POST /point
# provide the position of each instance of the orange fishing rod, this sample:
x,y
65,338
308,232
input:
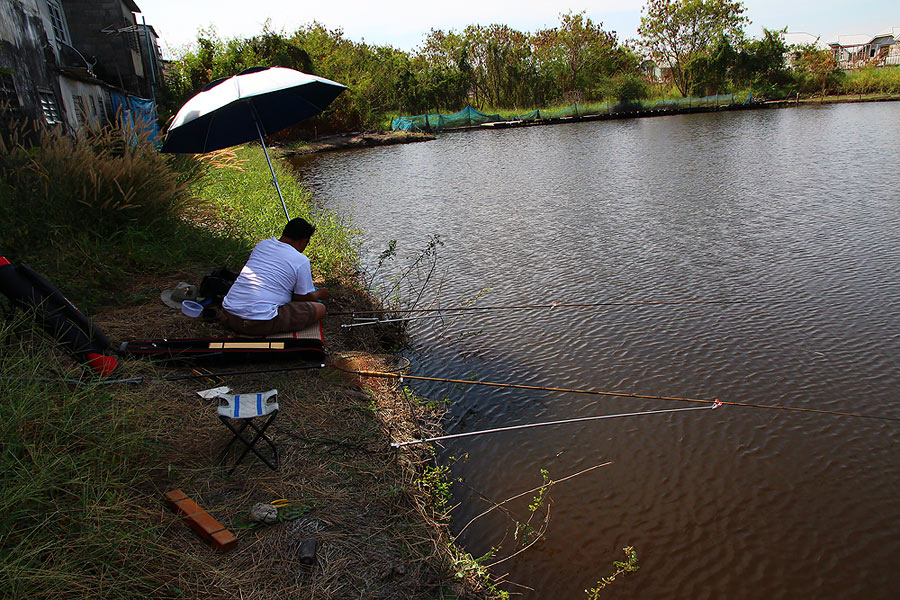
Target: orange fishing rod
x,y
712,401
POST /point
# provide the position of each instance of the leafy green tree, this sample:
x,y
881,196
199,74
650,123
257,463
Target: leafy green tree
x,y
445,70
761,65
817,69
501,61
580,53
676,32
370,73
711,73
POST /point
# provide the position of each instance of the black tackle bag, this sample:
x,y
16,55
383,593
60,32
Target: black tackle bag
x,y
215,285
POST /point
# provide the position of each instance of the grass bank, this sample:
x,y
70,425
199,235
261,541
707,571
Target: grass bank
x,y
84,468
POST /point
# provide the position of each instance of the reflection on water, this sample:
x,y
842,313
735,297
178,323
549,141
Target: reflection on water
x,y
793,212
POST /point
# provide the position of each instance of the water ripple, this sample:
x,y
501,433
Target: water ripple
x,y
793,212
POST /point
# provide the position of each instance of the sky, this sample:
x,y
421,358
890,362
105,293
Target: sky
x,y
404,24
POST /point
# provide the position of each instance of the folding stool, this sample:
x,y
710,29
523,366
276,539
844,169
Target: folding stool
x,y
247,407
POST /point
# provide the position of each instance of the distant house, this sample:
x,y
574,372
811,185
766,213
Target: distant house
x,y
656,73
74,62
880,51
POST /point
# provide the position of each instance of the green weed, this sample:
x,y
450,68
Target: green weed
x,y
871,80
538,501
629,565
436,483
475,569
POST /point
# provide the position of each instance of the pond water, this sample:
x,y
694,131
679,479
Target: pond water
x,y
793,214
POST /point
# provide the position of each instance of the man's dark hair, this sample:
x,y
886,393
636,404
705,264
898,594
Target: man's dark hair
x,y
298,229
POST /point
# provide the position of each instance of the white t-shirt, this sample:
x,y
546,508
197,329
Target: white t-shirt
x,y
273,272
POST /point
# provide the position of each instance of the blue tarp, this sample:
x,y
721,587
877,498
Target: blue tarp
x,y
136,113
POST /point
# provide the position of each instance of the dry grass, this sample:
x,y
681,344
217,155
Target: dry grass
x,y
377,536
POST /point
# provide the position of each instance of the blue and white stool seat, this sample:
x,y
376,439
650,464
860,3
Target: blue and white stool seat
x,y
248,406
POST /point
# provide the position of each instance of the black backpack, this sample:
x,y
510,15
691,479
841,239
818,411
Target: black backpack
x,y
216,285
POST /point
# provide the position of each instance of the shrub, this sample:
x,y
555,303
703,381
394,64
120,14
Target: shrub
x,y
99,182
631,90
95,211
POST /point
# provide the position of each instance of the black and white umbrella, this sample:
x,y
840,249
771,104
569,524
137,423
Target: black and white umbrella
x,y
250,105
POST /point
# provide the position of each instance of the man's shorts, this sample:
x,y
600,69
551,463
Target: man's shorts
x,y
291,317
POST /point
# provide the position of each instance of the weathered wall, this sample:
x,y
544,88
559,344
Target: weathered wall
x,y
117,54
92,108
28,54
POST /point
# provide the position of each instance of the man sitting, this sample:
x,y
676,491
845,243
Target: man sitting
x,y
274,291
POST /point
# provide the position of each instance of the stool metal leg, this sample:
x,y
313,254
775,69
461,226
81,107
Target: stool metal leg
x,y
237,435
250,443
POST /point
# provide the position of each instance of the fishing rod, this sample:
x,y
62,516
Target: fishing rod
x,y
401,377
552,305
548,423
195,375
363,321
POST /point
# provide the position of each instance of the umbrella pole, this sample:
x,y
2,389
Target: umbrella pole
x,y
272,169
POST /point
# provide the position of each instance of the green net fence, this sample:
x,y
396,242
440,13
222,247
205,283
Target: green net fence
x,y
471,117
467,117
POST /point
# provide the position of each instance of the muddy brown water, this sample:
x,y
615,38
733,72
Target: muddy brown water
x,y
794,212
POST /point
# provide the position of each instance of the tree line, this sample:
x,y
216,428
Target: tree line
x,y
492,66
698,46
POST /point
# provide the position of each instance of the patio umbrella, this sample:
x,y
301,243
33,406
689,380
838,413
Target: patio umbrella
x,y
250,105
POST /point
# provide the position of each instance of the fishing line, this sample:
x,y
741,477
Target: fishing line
x,y
548,423
249,372
517,386
540,306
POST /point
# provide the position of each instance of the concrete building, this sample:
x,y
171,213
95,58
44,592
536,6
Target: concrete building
x,y
880,51
109,32
72,63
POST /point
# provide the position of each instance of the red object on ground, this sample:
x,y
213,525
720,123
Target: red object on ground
x,y
101,364
4,261
200,521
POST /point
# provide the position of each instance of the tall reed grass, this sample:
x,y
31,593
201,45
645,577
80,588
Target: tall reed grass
x,y
73,522
99,182
96,211
871,80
